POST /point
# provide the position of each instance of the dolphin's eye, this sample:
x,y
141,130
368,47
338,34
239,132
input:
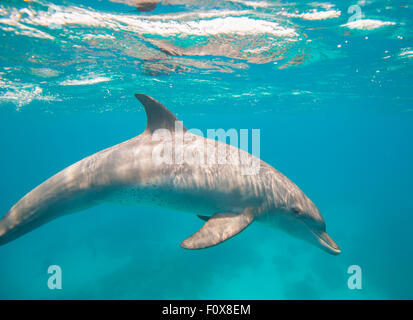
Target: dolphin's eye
x,y
295,211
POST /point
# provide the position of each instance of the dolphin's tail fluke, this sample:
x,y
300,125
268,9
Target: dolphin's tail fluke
x,y
67,192
2,233
12,227
4,229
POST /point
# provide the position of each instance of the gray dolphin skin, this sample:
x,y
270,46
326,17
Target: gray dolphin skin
x,y
217,191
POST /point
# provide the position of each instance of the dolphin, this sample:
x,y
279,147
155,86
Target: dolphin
x,y
218,191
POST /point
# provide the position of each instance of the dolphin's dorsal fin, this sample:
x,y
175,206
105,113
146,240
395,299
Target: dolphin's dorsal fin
x,y
220,227
158,116
205,218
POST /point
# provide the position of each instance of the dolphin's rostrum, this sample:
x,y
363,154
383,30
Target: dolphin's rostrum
x,y
217,192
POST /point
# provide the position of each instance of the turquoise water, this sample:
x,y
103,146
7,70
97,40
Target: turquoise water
x,y
332,98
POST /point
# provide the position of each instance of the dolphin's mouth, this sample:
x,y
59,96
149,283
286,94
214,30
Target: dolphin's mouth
x,y
326,243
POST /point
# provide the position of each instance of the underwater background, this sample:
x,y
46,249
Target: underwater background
x,y
329,85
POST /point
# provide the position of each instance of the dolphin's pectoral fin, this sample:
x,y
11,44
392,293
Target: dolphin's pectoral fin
x,y
220,227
